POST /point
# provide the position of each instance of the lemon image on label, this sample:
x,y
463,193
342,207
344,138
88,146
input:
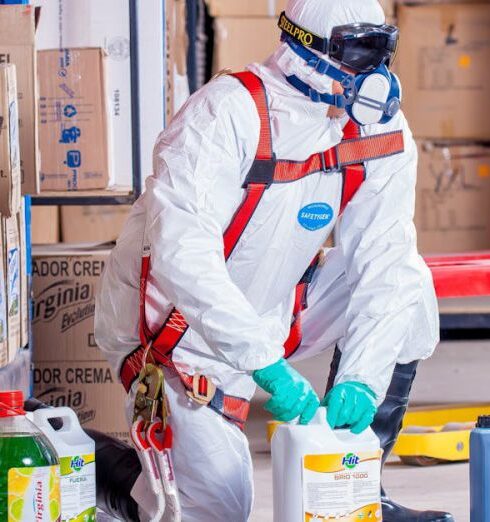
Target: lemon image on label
x,y
24,472
15,510
54,509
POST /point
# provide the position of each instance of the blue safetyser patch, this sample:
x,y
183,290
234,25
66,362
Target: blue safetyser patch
x,y
315,216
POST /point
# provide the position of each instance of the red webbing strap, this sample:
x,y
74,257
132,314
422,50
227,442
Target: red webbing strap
x,y
242,216
353,176
144,331
295,333
352,150
293,341
467,275
358,150
256,88
288,171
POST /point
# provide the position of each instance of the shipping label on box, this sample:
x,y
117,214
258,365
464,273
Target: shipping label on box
x,y
73,120
10,175
69,369
453,194
3,303
442,62
17,46
13,282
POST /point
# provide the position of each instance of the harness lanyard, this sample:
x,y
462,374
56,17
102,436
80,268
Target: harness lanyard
x,y
150,466
152,437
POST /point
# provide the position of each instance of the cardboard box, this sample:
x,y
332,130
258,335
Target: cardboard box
x,y
82,224
443,65
13,261
3,303
45,227
230,52
9,142
271,8
453,194
92,23
69,369
89,388
73,120
17,46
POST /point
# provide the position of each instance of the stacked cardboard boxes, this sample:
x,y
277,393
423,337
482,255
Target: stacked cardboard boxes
x,y
69,368
13,259
442,62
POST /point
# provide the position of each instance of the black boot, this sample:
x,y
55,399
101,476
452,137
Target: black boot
x,y
387,425
117,468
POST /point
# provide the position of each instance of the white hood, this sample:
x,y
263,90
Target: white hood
x,y
320,17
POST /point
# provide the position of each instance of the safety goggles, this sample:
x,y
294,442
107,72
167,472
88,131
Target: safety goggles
x,y
359,47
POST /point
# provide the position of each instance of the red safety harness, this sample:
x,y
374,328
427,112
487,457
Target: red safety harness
x,y
348,157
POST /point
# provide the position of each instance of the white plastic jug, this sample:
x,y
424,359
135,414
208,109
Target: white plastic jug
x,y
320,474
76,451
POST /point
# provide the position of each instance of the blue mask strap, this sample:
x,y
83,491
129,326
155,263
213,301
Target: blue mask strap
x,y
322,66
337,100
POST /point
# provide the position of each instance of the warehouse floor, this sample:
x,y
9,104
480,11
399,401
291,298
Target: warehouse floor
x,y
456,373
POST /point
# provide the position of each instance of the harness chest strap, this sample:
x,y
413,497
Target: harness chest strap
x,y
266,170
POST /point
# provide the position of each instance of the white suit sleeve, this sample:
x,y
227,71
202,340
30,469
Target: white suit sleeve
x,y
389,282
203,155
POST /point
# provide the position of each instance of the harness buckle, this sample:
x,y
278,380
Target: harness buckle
x,y
149,394
203,389
329,160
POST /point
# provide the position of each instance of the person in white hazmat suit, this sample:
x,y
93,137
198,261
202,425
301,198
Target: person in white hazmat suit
x,y
371,298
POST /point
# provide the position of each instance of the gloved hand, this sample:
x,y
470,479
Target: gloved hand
x,y
292,394
351,404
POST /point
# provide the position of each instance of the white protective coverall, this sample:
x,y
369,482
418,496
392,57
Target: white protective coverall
x,y
374,296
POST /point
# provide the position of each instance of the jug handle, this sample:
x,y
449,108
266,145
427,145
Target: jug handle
x,y
67,415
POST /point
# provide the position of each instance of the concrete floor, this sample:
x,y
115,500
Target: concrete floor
x,y
456,373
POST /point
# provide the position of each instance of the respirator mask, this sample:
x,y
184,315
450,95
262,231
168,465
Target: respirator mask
x,y
371,93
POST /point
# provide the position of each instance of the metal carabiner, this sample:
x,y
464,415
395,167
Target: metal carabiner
x,y
149,393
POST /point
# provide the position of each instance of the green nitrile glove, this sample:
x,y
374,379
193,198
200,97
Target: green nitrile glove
x,y
351,404
292,394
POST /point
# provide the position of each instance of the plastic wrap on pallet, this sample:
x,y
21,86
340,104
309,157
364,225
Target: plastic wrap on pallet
x,y
17,375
